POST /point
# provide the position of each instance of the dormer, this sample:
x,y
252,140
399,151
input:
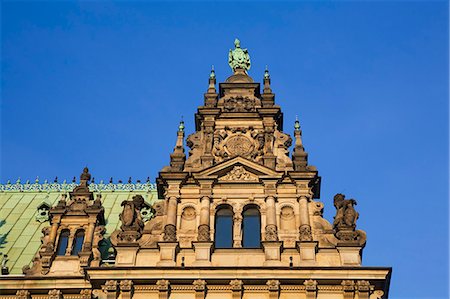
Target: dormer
x,y
71,242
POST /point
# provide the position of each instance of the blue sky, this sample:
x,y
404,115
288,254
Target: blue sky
x,y
105,84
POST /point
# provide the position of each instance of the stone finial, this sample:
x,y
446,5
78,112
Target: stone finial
x,y
178,157
212,82
238,59
267,88
299,156
85,177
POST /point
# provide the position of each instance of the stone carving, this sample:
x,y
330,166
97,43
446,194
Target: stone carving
x,y
317,208
348,285
132,224
55,294
239,58
239,104
345,220
271,232
244,142
305,233
110,286
199,285
363,285
346,214
162,285
86,294
239,173
287,218
146,213
274,285
378,294
126,285
188,218
310,285
281,146
204,233
194,142
96,254
23,294
170,233
236,285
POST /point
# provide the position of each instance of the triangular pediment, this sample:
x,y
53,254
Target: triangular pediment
x,y
238,169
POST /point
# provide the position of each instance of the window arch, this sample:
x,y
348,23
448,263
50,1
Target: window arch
x,y
251,227
224,227
63,242
78,242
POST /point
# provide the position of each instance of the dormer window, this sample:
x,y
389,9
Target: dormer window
x,y
78,242
63,242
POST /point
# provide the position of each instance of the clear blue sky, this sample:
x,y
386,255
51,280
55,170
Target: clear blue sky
x,y
105,84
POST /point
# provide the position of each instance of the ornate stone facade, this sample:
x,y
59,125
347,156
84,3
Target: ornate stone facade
x,y
237,218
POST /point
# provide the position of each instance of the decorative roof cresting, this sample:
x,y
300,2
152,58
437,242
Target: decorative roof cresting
x,y
239,58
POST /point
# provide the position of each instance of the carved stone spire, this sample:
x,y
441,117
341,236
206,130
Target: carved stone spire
x,y
267,88
211,94
177,158
212,81
299,156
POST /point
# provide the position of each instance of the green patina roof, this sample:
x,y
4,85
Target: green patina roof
x,y
20,232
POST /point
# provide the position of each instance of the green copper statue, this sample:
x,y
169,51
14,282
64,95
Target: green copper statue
x,y
239,58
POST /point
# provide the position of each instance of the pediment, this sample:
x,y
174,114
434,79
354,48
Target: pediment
x,y
238,169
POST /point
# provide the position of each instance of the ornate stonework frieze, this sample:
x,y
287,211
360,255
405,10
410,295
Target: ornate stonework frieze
x,y
239,104
67,187
239,174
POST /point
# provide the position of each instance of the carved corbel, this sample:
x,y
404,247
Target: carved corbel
x,y
236,288
163,287
86,294
110,288
310,288
126,289
274,288
23,294
200,288
55,294
363,288
348,288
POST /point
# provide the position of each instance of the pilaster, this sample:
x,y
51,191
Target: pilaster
x,y
200,288
274,288
110,288
163,288
126,289
310,288
236,288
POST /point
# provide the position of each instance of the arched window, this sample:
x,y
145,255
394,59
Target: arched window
x,y
78,242
251,227
224,227
63,242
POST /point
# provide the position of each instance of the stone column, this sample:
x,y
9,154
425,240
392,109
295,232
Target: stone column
x,y
310,288
163,288
126,289
170,230
271,219
204,227
110,288
305,227
53,232
70,242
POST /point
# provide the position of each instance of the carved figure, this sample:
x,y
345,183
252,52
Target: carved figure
x,y
346,214
194,143
281,150
131,219
238,58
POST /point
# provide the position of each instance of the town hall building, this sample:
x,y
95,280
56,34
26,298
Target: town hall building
x,y
235,216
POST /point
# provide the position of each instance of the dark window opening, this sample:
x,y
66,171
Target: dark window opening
x,y
224,227
78,242
63,242
251,227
